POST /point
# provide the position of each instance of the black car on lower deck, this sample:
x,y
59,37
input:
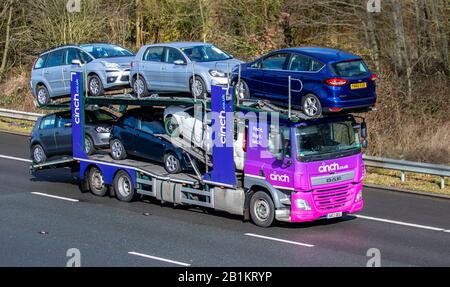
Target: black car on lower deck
x,y
52,134
137,133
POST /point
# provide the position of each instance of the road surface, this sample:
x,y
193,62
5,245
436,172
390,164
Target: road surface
x,y
42,217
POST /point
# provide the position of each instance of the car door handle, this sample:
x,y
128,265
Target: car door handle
x,y
46,72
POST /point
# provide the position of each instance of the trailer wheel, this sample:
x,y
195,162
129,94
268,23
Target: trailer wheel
x,y
39,155
96,183
262,209
123,187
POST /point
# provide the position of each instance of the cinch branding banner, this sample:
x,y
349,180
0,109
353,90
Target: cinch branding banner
x,y
223,137
77,105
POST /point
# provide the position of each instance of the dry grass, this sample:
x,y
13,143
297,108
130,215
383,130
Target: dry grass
x,y
414,181
17,126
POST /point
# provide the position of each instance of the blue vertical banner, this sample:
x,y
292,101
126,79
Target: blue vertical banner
x,y
77,105
223,171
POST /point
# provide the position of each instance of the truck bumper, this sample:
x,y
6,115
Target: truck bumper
x,y
315,209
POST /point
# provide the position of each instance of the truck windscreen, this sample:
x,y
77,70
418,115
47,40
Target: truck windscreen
x,y
326,141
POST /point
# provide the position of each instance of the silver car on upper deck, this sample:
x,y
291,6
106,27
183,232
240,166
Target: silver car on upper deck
x,y
170,67
107,67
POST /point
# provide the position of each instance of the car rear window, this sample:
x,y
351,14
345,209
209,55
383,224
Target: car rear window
x,y
40,62
350,69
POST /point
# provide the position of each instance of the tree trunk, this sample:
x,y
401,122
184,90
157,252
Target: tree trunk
x,y
7,43
139,39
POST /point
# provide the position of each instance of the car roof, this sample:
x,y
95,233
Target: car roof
x,y
323,54
74,46
180,44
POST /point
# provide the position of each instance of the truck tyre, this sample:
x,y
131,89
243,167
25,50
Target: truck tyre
x,y
140,87
118,150
96,182
42,96
262,209
172,163
311,106
38,154
123,187
95,86
89,146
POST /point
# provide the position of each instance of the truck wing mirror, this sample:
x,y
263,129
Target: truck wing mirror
x,y
364,130
364,144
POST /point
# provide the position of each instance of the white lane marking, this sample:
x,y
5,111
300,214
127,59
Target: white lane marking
x,y
401,223
15,158
56,197
279,240
159,259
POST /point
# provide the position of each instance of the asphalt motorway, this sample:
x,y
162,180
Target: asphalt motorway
x,y
43,217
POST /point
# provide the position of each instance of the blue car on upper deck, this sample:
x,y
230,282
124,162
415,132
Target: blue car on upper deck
x,y
322,80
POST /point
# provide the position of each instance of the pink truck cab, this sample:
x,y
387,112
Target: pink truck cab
x,y
312,169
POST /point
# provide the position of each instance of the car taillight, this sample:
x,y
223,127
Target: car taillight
x,y
335,110
336,82
373,77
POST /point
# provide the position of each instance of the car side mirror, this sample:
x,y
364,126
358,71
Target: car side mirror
x,y
68,125
76,62
179,62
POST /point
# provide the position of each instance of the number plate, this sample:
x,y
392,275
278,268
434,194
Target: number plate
x,y
356,86
334,215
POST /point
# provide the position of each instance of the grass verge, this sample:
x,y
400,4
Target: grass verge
x,y
16,126
414,181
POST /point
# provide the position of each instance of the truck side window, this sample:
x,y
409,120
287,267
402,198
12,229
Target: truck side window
x,y
280,141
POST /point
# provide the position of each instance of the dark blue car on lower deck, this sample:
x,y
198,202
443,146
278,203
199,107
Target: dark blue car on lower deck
x,y
322,80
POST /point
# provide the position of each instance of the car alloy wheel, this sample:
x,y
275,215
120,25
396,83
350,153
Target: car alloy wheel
x,y
242,90
95,86
198,87
139,86
117,149
172,163
38,154
312,106
42,96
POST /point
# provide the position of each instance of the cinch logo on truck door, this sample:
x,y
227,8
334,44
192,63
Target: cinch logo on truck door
x,y
280,177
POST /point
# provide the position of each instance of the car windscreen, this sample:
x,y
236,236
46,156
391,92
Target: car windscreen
x,y
106,51
326,141
350,68
205,53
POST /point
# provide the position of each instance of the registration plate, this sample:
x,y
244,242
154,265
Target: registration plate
x,y
334,215
356,86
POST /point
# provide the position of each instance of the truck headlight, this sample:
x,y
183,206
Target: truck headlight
x,y
109,65
102,130
217,74
359,197
302,204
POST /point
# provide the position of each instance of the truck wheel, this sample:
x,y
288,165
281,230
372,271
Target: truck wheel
x,y
172,163
123,187
39,155
96,183
42,96
118,150
89,147
140,87
311,106
262,209
95,86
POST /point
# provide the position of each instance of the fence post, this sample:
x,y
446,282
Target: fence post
x,y
402,176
